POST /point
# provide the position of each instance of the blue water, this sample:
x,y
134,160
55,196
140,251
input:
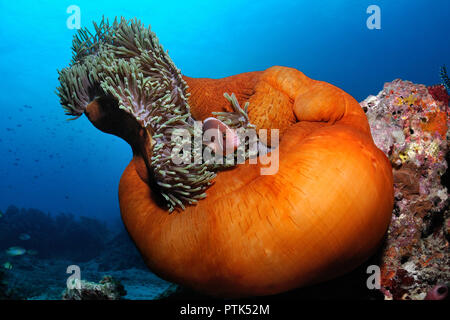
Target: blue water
x,y
59,166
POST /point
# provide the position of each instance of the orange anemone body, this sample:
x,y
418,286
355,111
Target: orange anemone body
x,y
322,214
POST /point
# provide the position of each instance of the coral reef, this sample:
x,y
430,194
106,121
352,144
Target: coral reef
x,y
79,239
45,279
107,289
41,275
409,122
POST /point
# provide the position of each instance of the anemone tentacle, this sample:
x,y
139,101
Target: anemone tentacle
x,y
125,61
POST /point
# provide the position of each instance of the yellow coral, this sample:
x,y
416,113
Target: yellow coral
x,y
403,157
410,100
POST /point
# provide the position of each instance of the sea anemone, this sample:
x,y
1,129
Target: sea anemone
x,y
320,214
136,75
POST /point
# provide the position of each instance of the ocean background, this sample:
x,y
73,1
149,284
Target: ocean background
x,y
58,166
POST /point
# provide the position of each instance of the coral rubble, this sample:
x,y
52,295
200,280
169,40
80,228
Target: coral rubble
x,y
409,123
107,289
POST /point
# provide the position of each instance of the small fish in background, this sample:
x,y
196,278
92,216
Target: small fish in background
x,y
15,251
7,265
24,236
32,252
27,106
1,214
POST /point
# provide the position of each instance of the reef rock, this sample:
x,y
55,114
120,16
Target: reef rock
x,y
107,289
409,123
120,253
8,292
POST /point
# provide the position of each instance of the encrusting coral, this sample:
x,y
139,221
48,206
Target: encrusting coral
x,y
409,122
322,213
